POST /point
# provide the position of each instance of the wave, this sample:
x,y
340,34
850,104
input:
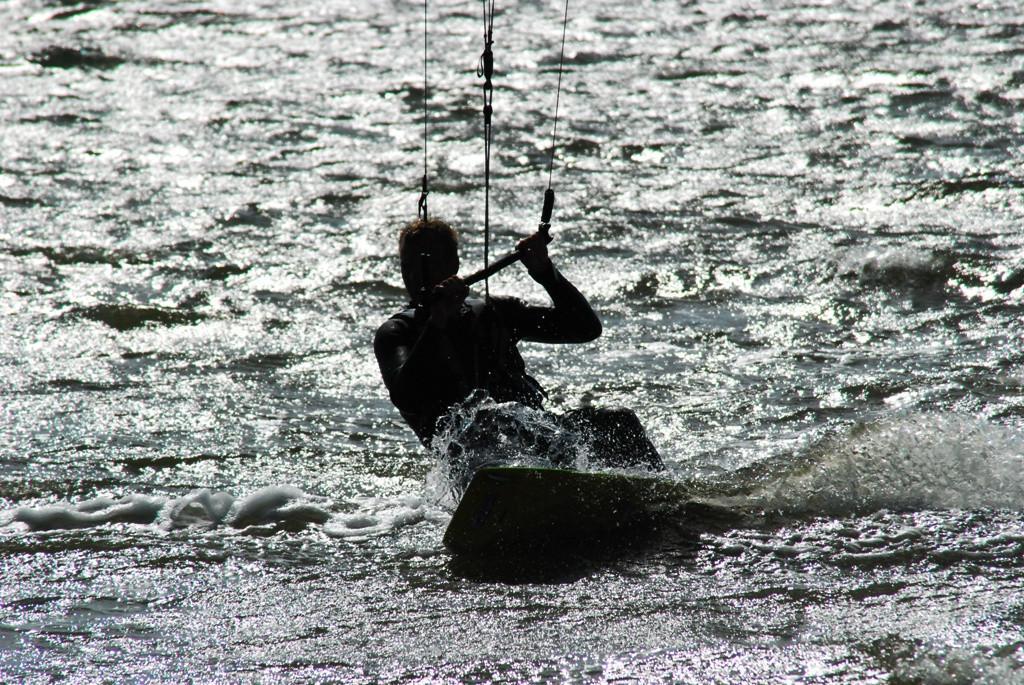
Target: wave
x,y
909,463
922,662
125,317
897,267
65,57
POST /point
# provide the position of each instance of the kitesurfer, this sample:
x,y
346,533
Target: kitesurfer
x,y
446,345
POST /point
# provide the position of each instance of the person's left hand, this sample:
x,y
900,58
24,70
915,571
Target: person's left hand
x,y
533,251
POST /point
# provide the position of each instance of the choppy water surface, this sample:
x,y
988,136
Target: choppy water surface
x,y
800,222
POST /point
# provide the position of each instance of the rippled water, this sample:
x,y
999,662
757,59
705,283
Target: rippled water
x,y
800,223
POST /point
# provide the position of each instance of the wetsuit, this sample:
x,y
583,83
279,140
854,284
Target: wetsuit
x,y
428,370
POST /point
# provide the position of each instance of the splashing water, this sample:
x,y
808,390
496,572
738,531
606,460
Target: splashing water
x,y
481,432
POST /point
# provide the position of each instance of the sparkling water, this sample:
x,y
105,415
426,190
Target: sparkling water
x,y
800,223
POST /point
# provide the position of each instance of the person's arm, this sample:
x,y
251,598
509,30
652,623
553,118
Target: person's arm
x,y
571,319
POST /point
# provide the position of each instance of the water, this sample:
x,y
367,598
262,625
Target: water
x,y
799,222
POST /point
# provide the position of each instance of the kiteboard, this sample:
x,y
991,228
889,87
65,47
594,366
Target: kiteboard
x,y
517,508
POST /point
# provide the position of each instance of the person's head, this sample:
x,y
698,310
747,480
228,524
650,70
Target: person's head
x,y
429,252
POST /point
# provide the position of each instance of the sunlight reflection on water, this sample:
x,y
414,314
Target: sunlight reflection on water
x,y
800,225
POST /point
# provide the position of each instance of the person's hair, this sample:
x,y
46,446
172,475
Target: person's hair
x,y
429,229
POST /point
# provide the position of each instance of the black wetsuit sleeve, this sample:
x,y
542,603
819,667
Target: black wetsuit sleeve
x,y
571,319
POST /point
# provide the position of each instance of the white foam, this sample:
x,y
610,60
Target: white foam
x,y
263,510
278,504
93,512
377,516
198,508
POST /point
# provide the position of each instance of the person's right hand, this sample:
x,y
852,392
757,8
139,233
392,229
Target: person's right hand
x,y
446,301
